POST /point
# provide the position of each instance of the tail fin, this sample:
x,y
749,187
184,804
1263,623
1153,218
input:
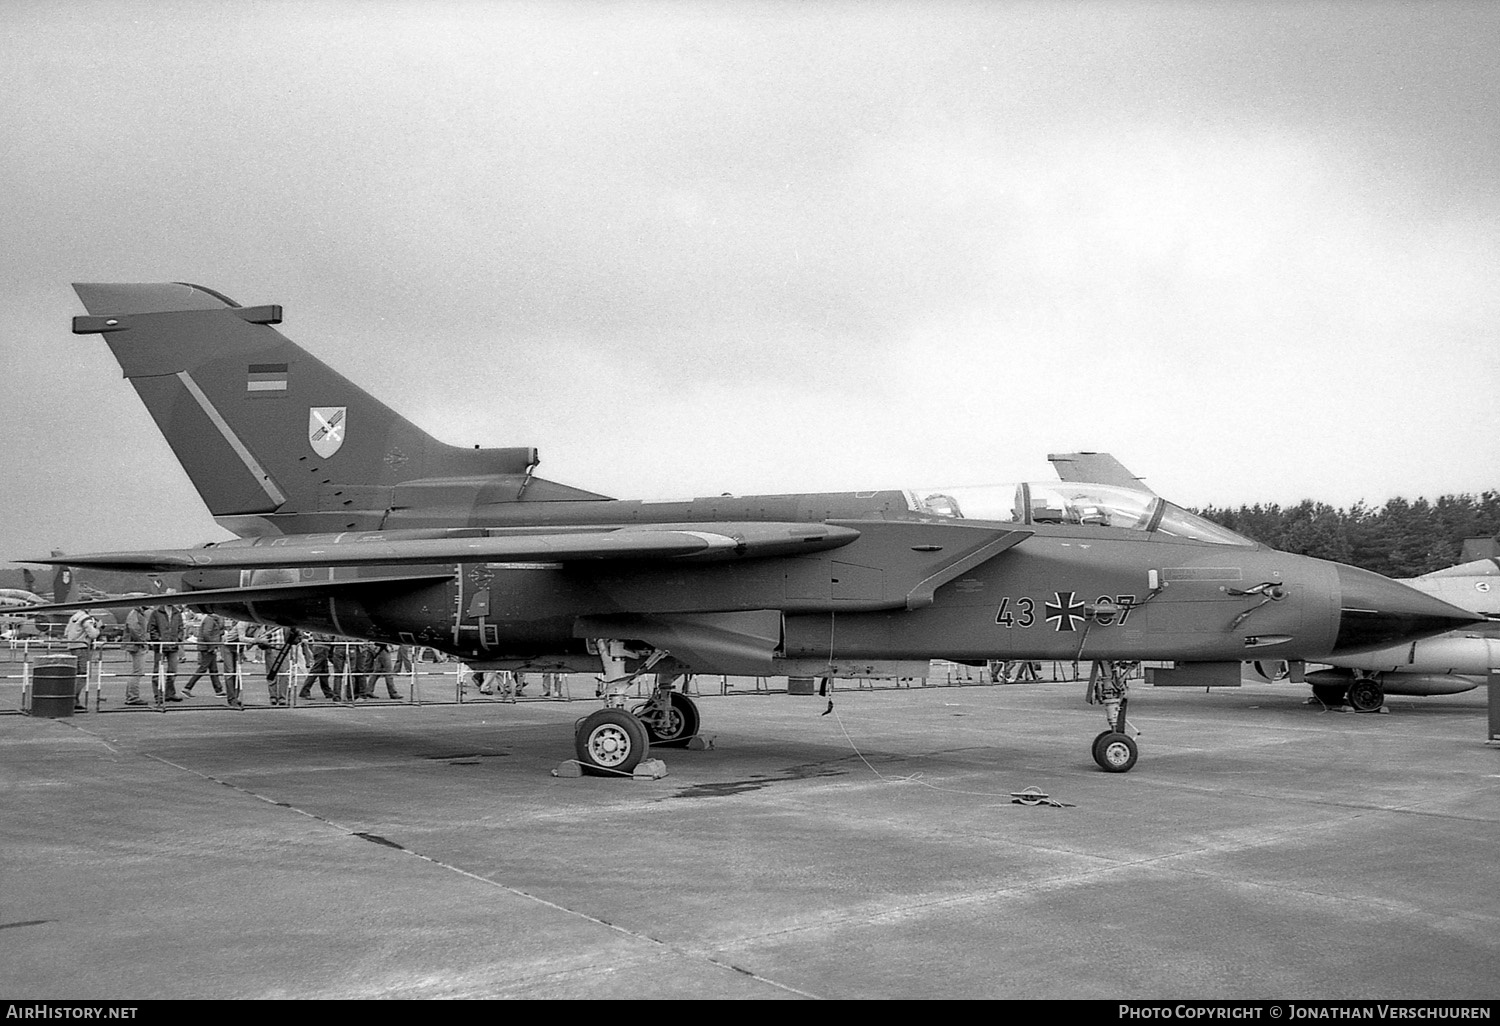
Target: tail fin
x,y
275,440
62,582
1095,468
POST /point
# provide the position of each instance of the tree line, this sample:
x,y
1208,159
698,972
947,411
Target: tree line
x,y
1403,538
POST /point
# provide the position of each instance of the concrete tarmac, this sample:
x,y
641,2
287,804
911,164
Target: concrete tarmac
x,y
1261,849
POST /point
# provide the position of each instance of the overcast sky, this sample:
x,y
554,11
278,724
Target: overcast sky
x,y
686,248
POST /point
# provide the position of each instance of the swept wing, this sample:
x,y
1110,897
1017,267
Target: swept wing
x,y
704,542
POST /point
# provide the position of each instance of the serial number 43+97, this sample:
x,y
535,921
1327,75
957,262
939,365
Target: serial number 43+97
x,y
1065,612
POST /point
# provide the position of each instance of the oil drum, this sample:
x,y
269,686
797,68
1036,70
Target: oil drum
x,y
52,687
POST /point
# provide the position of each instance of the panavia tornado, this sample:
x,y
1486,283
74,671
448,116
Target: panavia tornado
x,y
354,521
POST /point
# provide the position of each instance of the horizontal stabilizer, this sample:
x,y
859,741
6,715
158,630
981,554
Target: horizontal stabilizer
x,y
718,542
240,596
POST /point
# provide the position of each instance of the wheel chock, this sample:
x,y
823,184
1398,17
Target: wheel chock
x,y
1036,796
650,769
699,743
568,769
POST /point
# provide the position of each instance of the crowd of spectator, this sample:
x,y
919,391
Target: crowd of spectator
x,y
155,638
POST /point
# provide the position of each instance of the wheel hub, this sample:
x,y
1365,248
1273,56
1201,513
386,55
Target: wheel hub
x,y
609,745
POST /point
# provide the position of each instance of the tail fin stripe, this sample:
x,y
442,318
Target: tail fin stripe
x,y
258,472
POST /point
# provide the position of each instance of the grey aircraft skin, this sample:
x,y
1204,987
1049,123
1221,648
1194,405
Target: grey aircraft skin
x,y
356,522
1450,664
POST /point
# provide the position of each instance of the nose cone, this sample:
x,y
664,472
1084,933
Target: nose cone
x,y
1376,611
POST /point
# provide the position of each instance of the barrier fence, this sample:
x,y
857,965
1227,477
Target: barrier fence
x,y
424,679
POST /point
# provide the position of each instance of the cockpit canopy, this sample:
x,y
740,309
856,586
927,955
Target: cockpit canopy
x,y
1071,503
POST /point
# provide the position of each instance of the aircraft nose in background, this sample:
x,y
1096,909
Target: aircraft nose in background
x,y
1375,611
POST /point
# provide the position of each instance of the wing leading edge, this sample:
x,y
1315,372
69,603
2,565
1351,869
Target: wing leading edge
x,y
698,543
352,588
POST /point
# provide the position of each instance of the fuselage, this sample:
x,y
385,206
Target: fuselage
x,y
1100,575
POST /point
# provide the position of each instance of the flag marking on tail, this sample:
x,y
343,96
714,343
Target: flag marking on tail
x,y
266,377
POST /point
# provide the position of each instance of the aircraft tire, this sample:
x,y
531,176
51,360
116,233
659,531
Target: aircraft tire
x,y
1114,752
610,743
1329,694
682,724
1366,695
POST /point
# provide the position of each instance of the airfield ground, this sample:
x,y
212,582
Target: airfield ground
x,y
1262,848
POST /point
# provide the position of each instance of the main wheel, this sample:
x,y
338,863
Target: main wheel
x,y
1115,753
1366,695
610,743
682,721
1329,694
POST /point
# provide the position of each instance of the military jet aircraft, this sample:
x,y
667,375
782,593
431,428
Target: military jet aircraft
x,y
1451,664
356,522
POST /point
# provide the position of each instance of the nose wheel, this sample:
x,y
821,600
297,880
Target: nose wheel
x,y
1114,752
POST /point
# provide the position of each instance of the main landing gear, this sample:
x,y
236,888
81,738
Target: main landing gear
x,y
610,742
613,741
670,717
1363,691
1365,694
1114,749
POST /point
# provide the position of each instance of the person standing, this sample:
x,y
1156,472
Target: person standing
x,y
229,659
280,647
406,665
210,639
320,647
361,662
381,665
340,663
136,648
164,632
80,634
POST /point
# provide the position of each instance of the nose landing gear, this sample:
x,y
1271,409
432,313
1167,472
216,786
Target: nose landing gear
x,y
1109,683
